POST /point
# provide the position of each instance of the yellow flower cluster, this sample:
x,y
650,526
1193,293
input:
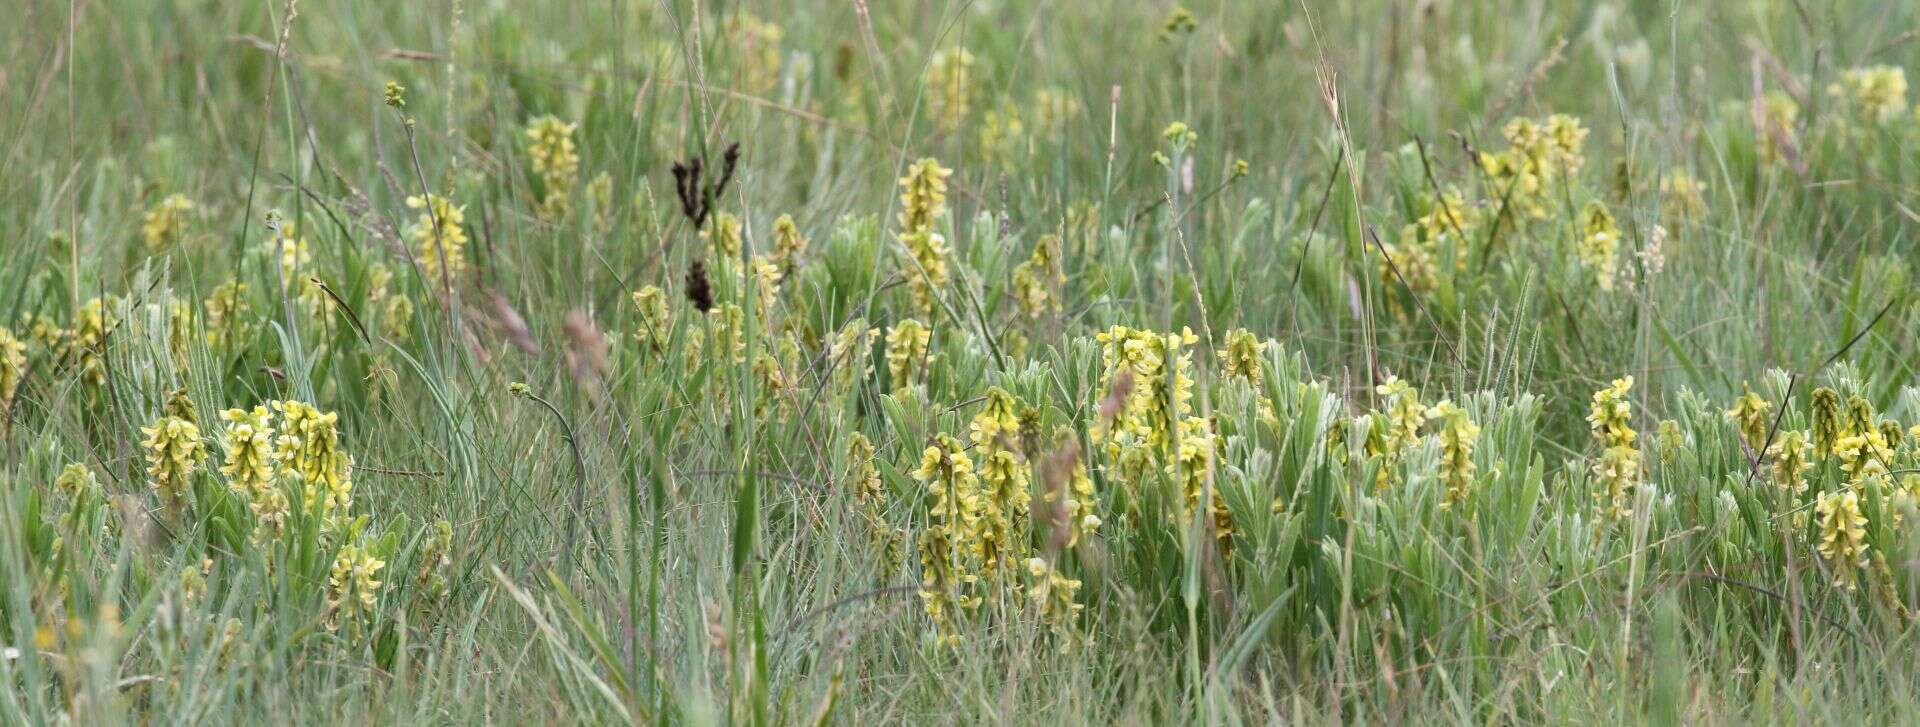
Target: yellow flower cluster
x,y
758,43
1000,131
1537,155
724,238
950,87
871,492
251,467
656,322
1158,391
1448,222
1789,457
788,244
923,199
949,557
227,309
309,449
163,226
1599,244
1241,356
1611,419
81,343
1458,435
1005,477
352,585
13,370
1193,468
1878,93
1843,535
555,160
1036,282
907,357
174,454
1827,425
1053,594
1749,413
441,237
1052,109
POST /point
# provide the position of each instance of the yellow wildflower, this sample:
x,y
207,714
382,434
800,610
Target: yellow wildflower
x,y
441,238
164,224
1843,535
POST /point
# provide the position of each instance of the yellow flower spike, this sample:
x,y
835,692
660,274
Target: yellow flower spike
x,y
352,585
1749,413
907,355
441,238
227,311
165,224
949,554
1790,461
1843,535
758,43
13,370
1241,356
1458,434
1599,244
174,453
555,160
950,87
1053,108
788,244
1879,93
1827,421
656,322
309,449
1037,282
1618,469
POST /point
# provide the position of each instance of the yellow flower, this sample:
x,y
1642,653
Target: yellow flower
x,y
758,43
441,237
1618,468
164,224
1827,425
352,585
907,354
1682,195
1179,23
1863,455
227,310
1036,282
1878,92
1843,535
1790,462
1241,357
309,448
1749,413
788,244
555,160
1599,243
724,239
950,87
948,552
656,322
1000,132
1052,109
1611,415
13,369
174,453
1457,437
84,339
1053,594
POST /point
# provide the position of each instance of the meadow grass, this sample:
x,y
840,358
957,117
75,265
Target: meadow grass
x,y
956,362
